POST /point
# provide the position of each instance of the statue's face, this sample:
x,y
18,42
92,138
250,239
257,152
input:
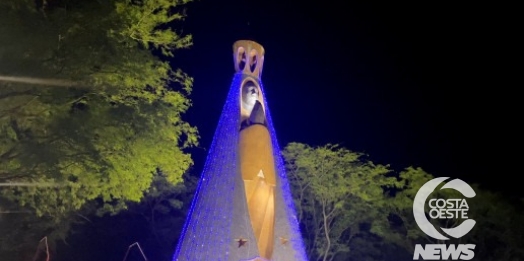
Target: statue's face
x,y
249,95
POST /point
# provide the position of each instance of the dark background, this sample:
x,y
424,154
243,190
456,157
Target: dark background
x,y
410,84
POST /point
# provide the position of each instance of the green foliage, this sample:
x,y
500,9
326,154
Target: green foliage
x,y
155,222
328,183
402,230
352,209
141,24
106,137
499,228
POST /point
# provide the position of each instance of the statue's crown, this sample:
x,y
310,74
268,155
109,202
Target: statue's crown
x,y
248,57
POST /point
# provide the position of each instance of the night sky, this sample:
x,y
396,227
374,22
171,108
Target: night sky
x,y
408,84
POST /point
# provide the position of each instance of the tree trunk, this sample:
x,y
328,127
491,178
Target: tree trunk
x,y
326,233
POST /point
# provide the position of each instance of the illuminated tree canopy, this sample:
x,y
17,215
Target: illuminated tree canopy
x,y
108,136
352,209
335,190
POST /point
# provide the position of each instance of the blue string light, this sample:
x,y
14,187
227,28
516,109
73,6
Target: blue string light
x,y
207,232
295,237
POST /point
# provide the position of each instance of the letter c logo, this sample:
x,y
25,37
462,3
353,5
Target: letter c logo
x,y
420,201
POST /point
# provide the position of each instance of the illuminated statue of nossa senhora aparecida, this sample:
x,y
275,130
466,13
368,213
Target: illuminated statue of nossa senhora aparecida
x,y
243,208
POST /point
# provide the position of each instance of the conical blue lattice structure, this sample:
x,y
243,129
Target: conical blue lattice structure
x,y
219,217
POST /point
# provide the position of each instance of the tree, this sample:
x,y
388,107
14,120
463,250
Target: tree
x,y
336,190
499,229
103,138
165,208
155,223
497,233
400,227
362,211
